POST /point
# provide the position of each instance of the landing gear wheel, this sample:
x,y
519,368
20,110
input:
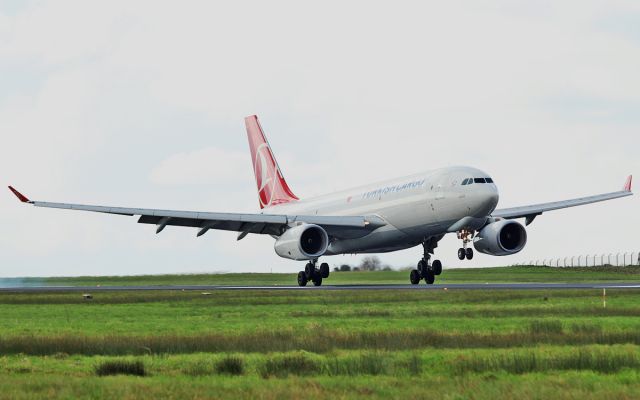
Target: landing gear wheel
x,y
436,266
429,278
422,268
414,277
302,278
317,280
469,253
461,253
309,269
324,270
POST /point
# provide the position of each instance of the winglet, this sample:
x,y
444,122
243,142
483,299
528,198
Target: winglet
x,y
627,184
19,195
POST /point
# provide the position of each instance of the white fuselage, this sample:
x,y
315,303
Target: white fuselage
x,y
415,208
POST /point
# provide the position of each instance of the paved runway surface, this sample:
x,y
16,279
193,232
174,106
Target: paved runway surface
x,y
453,286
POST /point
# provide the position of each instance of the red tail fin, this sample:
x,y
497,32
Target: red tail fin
x,y
272,188
627,184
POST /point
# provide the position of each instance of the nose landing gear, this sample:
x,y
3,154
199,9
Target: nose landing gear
x,y
426,270
466,236
313,274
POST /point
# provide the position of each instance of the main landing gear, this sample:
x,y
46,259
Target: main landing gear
x,y
465,252
313,274
425,269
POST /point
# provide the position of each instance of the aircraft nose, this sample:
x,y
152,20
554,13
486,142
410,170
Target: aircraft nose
x,y
488,200
492,197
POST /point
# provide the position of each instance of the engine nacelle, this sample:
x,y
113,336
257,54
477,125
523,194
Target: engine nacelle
x,y
501,238
302,242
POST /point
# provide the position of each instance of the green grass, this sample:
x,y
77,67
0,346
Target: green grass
x,y
586,372
282,366
462,275
235,314
121,367
605,360
529,344
231,365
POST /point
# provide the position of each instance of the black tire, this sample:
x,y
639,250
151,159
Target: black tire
x,y
414,277
429,278
436,266
309,269
317,280
422,268
469,253
461,253
302,278
324,270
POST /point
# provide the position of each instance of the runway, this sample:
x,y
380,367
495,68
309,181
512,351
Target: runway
x,y
211,288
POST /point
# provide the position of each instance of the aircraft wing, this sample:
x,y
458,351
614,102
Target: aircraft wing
x,y
272,224
532,211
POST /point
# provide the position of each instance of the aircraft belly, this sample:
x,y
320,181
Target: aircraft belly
x,y
386,237
422,231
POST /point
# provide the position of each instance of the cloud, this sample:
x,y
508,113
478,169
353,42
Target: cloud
x,y
209,165
141,103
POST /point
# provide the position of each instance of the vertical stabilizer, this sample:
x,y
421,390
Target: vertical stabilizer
x,y
627,184
272,187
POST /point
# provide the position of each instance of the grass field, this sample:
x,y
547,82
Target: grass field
x,y
532,344
461,275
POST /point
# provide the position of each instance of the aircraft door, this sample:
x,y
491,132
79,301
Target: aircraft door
x,y
442,186
440,201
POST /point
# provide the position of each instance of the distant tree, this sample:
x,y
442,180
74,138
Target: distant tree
x,y
371,263
387,268
345,268
336,269
355,269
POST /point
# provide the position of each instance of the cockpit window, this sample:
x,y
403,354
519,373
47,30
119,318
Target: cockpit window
x,y
469,181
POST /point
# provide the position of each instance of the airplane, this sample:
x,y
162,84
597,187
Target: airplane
x,y
387,216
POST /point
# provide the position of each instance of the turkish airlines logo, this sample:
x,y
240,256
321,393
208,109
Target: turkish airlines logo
x,y
265,174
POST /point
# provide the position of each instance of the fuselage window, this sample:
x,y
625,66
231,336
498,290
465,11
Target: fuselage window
x,y
478,180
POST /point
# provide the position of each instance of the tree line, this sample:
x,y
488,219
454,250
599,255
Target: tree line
x,y
370,263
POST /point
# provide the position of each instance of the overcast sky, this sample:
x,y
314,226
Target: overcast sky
x,y
141,103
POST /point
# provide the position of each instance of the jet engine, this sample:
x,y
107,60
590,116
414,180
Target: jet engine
x,y
501,238
302,242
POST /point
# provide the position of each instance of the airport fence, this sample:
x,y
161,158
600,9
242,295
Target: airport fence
x,y
626,259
